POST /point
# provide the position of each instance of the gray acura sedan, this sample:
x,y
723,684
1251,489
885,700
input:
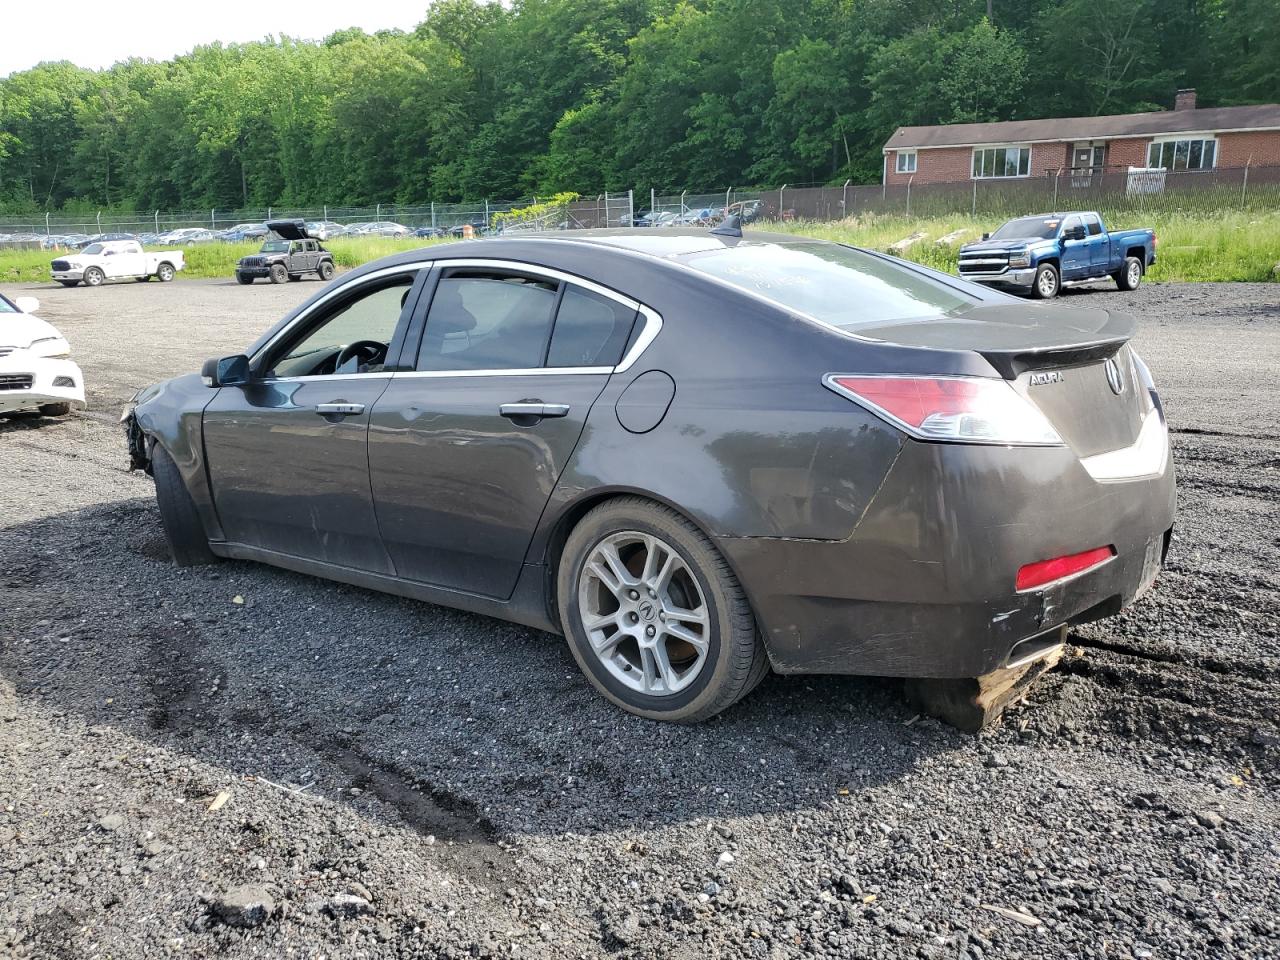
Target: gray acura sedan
x,y
699,456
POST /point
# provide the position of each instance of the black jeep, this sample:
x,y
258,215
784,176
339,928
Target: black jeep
x,y
286,254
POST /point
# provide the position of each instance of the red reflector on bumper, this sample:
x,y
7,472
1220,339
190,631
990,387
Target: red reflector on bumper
x,y
1047,571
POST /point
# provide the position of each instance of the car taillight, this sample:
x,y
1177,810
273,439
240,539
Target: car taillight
x,y
950,409
1044,572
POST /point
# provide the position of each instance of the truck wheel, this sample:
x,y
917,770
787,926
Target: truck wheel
x,y
182,527
93,277
326,270
1045,286
242,279
278,273
1130,274
55,409
165,272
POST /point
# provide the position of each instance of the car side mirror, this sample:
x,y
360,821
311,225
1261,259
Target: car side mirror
x,y
986,236
26,304
225,372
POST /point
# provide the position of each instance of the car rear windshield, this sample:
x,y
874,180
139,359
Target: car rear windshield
x,y
1029,228
838,285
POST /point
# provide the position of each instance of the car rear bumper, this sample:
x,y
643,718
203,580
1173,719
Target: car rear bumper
x,y
925,585
52,380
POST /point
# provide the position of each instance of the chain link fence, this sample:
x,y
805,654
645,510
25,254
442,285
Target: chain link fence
x,y
1112,190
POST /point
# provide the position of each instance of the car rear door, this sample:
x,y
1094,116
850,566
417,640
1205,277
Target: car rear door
x,y
465,450
287,452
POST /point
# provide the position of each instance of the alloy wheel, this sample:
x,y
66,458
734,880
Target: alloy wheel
x,y
1135,273
1048,283
644,613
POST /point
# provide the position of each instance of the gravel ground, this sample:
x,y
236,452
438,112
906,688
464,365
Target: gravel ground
x,y
237,761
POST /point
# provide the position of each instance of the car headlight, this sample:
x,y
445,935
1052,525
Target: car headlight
x,y
1020,258
53,348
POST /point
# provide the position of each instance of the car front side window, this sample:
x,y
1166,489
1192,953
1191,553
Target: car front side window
x,y
352,334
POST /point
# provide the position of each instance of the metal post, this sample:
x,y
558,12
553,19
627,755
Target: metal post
x,y
268,213
46,223
909,179
726,200
1244,186
486,211
378,215
326,213
1057,173
844,200
683,208
973,209
157,221
433,216
653,200
631,207
99,221
780,189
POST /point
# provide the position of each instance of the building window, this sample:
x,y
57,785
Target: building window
x,y
1001,162
1199,153
906,161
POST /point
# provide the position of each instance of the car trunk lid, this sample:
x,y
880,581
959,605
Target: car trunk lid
x,y
1074,364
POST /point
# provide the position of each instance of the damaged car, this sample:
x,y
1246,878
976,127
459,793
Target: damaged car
x,y
36,370
700,455
288,253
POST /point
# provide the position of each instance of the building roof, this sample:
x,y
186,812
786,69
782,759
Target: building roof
x,y
1207,120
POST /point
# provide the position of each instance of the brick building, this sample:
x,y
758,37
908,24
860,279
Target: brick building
x,y
1184,138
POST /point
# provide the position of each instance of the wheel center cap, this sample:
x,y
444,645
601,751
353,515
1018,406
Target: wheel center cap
x,y
646,611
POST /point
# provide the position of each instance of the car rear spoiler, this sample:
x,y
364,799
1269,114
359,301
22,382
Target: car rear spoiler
x,y
1011,364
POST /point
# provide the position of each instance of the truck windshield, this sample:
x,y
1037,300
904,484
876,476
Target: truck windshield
x,y
275,246
1029,228
840,286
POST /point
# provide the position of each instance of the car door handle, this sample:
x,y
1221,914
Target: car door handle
x,y
339,408
533,408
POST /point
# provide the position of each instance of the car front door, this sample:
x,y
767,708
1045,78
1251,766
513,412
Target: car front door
x,y
123,263
1099,246
465,451
1075,253
287,452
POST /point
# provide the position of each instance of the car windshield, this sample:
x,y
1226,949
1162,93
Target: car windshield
x,y
94,248
838,285
1029,228
275,246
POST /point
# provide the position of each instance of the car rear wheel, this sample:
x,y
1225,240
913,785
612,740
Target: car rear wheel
x,y
182,526
93,277
165,272
242,279
1130,275
1045,285
326,270
55,409
278,273
654,616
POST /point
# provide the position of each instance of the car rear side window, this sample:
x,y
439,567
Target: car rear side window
x,y
488,321
590,331
837,285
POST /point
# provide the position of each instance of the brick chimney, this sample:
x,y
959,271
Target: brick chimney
x,y
1185,100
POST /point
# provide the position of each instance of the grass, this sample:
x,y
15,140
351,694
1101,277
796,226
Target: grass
x,y
1225,246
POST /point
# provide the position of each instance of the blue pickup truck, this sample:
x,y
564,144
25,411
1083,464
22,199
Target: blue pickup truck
x,y
1041,254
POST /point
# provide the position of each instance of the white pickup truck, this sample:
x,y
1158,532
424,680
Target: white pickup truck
x,y
115,260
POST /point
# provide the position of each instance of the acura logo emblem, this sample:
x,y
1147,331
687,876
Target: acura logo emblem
x,y
646,610
1114,377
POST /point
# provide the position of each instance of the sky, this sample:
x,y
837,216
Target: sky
x,y
97,33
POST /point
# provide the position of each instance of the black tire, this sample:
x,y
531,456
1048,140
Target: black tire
x,y
242,279
94,277
735,660
55,409
1047,282
70,283
278,273
1129,276
325,271
182,527
165,272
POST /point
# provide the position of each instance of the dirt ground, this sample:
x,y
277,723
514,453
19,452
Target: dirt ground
x,y
237,761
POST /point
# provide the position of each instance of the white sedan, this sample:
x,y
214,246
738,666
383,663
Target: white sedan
x,y
36,372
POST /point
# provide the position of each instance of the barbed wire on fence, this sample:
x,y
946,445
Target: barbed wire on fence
x,y
1112,190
